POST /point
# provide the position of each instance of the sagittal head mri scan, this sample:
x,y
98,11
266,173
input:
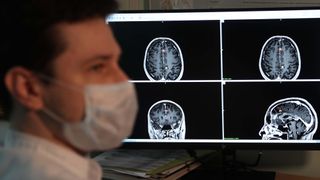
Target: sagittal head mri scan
x,y
280,59
289,119
166,120
163,60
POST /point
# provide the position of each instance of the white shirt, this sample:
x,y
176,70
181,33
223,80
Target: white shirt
x,y
28,157
3,131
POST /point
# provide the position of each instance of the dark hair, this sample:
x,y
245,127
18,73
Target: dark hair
x,y
28,36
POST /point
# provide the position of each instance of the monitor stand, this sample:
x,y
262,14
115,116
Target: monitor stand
x,y
223,164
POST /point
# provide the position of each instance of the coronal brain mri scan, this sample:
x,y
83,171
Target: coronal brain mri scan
x,y
163,60
280,59
289,119
166,121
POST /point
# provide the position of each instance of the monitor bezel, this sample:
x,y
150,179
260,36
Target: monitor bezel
x,y
223,144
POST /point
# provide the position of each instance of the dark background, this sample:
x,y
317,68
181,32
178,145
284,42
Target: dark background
x,y
199,43
201,103
243,41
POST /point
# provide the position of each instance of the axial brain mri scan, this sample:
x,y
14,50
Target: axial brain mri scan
x,y
280,59
289,119
166,121
163,60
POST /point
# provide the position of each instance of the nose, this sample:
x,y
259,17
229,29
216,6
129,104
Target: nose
x,y
121,75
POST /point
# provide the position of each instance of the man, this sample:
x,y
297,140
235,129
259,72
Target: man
x,y
62,89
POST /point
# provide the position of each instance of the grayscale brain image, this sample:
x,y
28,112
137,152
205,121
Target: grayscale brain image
x,y
280,59
272,110
170,50
291,118
166,121
163,60
279,49
178,111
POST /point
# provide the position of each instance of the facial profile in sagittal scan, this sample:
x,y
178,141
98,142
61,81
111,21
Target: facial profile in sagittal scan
x,y
289,119
163,60
280,59
166,120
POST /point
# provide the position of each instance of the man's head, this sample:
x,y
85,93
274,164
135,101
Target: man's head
x,y
34,34
52,51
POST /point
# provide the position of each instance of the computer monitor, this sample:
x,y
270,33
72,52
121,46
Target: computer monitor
x,y
223,78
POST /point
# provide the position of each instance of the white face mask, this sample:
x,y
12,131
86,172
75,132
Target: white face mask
x,y
110,112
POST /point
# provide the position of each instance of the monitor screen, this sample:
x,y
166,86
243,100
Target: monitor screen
x,y
237,78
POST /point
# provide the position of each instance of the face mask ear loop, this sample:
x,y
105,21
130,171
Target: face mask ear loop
x,y
54,116
60,83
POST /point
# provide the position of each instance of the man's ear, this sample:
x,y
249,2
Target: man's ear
x,y
24,88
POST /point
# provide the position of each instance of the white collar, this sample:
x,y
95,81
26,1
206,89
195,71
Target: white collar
x,y
72,162
3,131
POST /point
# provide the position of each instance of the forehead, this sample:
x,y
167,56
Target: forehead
x,y
92,35
84,41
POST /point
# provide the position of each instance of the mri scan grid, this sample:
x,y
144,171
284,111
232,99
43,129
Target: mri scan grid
x,y
262,76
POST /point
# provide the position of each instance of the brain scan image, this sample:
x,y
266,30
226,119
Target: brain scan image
x,y
280,59
163,60
166,121
289,119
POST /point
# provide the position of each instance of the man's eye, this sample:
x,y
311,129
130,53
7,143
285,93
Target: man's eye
x,y
98,68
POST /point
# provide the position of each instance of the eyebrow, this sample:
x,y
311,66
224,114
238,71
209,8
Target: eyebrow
x,y
98,57
103,57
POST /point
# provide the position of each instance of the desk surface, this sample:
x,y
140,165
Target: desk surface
x,y
220,174
253,175
281,176
214,168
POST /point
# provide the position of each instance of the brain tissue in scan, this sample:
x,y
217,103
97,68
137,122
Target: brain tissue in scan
x,y
166,121
163,60
290,119
280,59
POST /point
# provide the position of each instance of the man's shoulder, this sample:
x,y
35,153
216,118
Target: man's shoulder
x,y
27,157
3,130
17,164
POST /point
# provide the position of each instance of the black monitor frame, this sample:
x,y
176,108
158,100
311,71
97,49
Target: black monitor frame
x,y
223,16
